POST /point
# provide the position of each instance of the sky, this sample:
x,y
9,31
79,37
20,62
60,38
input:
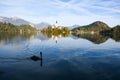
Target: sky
x,y
66,12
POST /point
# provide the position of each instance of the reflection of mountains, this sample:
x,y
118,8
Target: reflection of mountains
x,y
95,38
41,36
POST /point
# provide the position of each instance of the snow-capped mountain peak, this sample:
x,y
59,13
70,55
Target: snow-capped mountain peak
x,y
15,18
18,21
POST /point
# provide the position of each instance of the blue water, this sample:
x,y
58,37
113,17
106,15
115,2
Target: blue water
x,y
67,58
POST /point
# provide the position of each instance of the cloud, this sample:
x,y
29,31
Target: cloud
x,y
68,12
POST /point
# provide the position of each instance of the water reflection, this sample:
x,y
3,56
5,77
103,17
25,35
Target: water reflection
x,y
14,38
72,58
98,38
94,38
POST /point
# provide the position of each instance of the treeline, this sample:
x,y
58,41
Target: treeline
x,y
95,27
116,32
8,27
49,31
113,33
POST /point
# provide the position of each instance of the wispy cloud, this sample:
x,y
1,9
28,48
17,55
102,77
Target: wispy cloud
x,y
68,12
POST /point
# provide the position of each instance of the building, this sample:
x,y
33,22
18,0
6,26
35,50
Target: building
x,y
56,25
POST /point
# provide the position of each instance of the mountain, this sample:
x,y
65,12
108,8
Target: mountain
x,y
13,20
72,27
19,21
42,25
102,30
94,27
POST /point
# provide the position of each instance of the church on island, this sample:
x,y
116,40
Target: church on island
x,y
56,25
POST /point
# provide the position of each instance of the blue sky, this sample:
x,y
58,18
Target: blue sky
x,y
67,12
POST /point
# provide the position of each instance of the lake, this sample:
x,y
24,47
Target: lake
x,y
83,57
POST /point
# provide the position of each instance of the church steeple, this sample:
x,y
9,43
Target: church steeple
x,y
55,25
56,22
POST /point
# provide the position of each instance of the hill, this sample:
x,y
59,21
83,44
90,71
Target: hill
x,y
72,27
8,27
95,27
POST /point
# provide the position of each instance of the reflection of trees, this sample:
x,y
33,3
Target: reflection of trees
x,y
95,38
114,33
8,31
99,38
8,36
50,35
116,37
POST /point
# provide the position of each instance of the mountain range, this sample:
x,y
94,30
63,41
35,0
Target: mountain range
x,y
72,27
13,20
41,25
97,26
19,21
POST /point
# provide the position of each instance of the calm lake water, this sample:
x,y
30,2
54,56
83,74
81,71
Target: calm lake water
x,y
66,58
